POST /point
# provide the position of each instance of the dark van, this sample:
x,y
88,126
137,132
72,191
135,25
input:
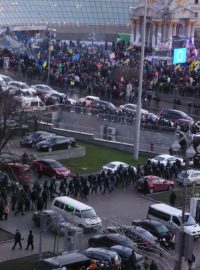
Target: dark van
x,y
73,261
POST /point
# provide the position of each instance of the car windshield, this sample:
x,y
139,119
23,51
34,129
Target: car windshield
x,y
50,139
184,174
55,164
89,213
126,242
159,158
148,235
189,220
110,165
161,228
35,135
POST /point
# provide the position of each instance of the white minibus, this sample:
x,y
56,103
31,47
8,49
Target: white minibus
x,y
172,218
76,212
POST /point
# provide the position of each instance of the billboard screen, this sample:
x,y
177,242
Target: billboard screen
x,y
180,56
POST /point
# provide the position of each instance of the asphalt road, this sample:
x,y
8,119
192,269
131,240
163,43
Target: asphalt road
x,y
121,207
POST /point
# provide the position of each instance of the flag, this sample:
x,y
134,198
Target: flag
x,y
129,48
45,64
177,67
39,55
126,62
70,50
76,57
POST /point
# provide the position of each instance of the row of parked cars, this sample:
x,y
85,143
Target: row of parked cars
x,y
113,245
30,96
46,141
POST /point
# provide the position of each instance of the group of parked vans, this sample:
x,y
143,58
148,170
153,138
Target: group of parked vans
x,y
85,216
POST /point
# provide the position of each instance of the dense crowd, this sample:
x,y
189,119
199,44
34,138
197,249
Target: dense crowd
x,y
79,186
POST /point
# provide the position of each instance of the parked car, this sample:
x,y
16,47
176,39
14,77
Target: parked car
x,y
6,78
14,86
165,158
53,220
102,104
55,143
125,253
114,165
174,115
110,239
157,229
154,183
72,261
30,140
130,107
43,89
88,100
190,177
143,238
51,168
18,172
104,255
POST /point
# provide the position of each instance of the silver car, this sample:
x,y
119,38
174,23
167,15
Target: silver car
x,y
190,177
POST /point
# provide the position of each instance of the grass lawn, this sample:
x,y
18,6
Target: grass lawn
x,y
26,263
96,156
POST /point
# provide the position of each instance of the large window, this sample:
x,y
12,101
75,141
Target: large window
x,y
17,12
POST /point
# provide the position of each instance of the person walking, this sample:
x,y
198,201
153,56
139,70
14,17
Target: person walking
x,y
6,210
172,198
30,241
17,240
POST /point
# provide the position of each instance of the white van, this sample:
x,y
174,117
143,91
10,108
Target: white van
x,y
76,212
172,218
29,102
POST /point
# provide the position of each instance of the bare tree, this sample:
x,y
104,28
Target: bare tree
x,y
11,119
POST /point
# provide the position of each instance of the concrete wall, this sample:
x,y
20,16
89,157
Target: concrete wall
x,y
90,138
73,152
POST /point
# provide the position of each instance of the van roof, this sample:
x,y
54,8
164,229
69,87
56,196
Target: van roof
x,y
67,200
167,209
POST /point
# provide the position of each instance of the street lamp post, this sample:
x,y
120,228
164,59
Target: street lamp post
x,y
189,153
51,31
138,112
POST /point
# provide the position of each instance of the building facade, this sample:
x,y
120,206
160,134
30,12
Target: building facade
x,y
165,19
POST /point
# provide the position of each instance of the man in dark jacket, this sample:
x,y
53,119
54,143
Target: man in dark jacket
x,y
17,240
30,240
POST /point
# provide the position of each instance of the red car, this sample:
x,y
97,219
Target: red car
x,y
154,183
51,167
17,171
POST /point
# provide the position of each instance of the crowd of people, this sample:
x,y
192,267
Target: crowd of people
x,y
79,186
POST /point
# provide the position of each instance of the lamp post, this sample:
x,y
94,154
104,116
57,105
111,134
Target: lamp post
x,y
51,31
138,111
189,153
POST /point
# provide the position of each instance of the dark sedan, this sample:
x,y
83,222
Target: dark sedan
x,y
111,239
35,137
55,143
144,239
111,257
157,229
125,253
51,167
